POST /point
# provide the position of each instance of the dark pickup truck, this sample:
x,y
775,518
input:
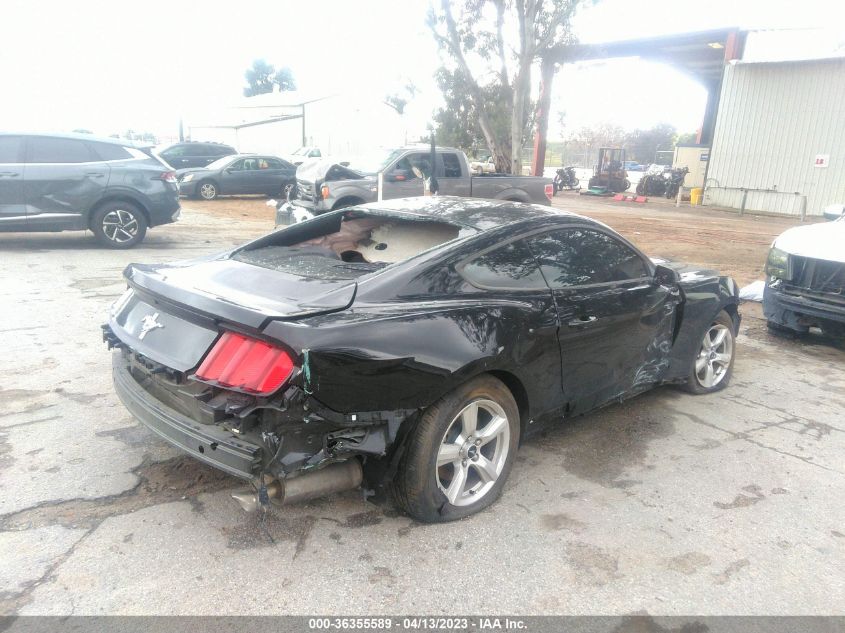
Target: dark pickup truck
x,y
326,185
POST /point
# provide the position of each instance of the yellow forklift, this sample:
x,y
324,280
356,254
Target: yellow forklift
x,y
609,175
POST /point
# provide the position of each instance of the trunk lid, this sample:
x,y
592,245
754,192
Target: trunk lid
x,y
173,312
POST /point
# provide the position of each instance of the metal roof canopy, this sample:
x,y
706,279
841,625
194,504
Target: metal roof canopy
x,y
702,55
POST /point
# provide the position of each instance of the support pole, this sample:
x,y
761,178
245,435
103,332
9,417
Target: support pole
x,y
544,102
304,139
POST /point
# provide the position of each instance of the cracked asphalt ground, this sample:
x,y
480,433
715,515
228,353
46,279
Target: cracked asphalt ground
x,y
667,504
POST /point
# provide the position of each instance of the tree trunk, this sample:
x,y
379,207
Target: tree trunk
x,y
453,41
521,91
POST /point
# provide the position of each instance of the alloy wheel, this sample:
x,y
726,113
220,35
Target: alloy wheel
x,y
120,226
473,452
714,357
208,191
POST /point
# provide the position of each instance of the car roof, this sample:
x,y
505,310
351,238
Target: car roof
x,y
481,214
81,137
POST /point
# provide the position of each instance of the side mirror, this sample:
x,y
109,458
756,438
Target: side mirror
x,y
665,276
397,175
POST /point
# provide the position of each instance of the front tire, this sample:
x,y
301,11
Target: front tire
x,y
119,225
713,365
208,190
460,453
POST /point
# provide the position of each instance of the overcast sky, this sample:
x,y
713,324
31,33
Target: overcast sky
x,y
112,65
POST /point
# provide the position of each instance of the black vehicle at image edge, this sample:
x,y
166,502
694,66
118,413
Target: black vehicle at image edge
x,y
411,344
64,182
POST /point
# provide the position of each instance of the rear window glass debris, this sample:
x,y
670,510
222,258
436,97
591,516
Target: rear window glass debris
x,y
361,245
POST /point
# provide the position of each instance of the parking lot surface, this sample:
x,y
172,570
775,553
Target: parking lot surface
x,y
667,504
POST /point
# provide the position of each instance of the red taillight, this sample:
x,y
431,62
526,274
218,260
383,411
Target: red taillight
x,y
244,363
167,176
550,191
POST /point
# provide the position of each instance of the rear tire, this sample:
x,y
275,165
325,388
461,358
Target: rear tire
x,y
119,225
711,368
460,453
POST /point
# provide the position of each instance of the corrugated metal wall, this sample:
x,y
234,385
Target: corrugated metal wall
x,y
774,119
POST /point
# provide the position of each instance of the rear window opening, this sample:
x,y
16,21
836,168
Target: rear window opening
x,y
353,247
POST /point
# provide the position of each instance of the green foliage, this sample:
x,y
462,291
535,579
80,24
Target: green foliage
x,y
262,76
642,145
400,98
581,146
489,48
457,124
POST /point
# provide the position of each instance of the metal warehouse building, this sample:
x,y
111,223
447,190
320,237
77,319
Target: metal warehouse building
x,y
779,141
773,130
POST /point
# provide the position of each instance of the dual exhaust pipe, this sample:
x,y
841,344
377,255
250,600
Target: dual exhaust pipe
x,y
319,483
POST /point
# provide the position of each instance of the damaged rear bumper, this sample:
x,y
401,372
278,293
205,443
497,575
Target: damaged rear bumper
x,y
208,443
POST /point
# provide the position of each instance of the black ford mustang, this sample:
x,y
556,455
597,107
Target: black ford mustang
x,y
409,344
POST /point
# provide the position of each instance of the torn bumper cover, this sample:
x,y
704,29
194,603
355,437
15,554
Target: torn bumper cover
x,y
206,442
283,436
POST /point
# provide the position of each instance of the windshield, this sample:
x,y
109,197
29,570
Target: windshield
x,y
219,163
375,162
302,151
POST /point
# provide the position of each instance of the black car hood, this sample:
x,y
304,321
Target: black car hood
x,y
233,291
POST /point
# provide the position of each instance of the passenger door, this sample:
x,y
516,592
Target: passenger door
x,y
271,176
616,321
235,177
401,181
450,177
12,202
63,180
507,275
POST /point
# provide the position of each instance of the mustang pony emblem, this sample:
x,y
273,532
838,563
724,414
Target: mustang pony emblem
x,y
148,324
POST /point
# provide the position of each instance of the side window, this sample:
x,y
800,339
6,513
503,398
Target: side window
x,y
451,166
271,163
174,152
238,165
108,151
510,266
409,162
314,153
198,150
579,256
10,147
220,150
43,149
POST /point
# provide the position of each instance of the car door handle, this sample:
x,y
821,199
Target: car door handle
x,y
10,174
94,174
581,321
543,330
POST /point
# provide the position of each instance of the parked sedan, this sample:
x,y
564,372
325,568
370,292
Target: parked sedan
x,y
410,343
238,174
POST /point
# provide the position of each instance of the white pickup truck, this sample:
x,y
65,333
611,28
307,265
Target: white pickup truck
x,y
805,277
